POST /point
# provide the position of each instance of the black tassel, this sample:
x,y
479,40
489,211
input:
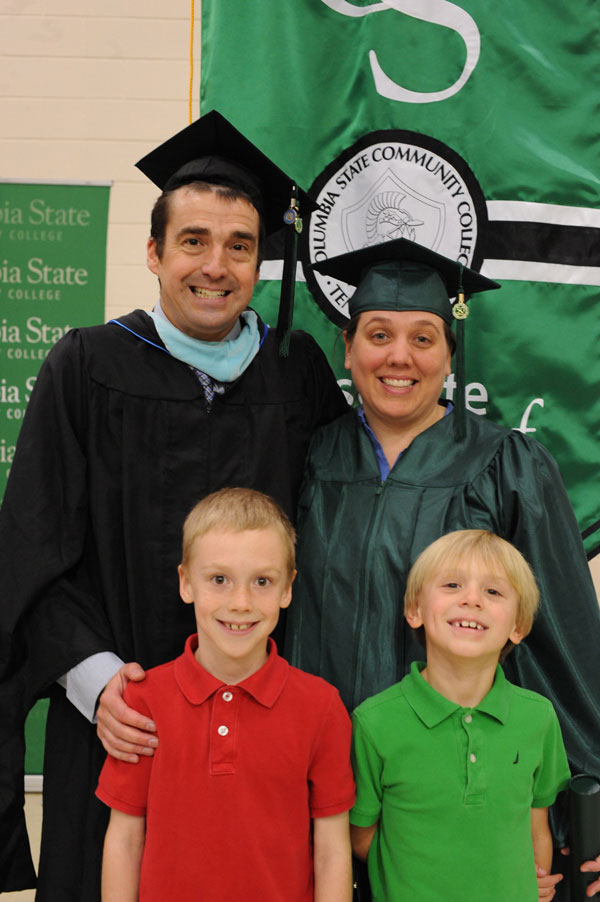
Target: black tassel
x,y
293,222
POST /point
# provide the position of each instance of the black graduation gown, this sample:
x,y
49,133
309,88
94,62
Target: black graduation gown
x,y
116,447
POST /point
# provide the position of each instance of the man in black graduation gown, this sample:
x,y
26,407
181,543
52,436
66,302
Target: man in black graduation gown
x,y
130,423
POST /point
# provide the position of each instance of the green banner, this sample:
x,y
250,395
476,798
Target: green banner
x,y
469,127
52,278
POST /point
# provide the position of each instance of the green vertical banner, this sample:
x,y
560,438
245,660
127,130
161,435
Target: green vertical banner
x,y
52,278
469,127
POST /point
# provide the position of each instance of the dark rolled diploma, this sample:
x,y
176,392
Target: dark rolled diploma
x,y
584,818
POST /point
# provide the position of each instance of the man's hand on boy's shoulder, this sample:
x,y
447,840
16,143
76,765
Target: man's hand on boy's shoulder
x,y
124,733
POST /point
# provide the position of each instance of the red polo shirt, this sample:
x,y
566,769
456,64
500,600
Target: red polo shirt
x,y
238,775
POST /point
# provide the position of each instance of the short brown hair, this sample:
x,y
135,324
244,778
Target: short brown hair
x,y
160,213
469,543
237,510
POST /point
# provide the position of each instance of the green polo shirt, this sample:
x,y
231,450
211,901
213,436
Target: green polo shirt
x,y
452,789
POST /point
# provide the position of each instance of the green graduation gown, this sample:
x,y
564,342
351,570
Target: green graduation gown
x,y
359,537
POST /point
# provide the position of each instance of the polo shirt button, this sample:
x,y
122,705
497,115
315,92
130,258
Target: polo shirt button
x,y
227,696
223,731
473,758
468,718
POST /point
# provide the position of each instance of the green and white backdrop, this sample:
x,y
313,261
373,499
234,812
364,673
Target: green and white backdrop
x,y
471,127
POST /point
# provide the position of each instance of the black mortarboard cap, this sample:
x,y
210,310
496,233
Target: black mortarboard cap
x,y
403,275
212,150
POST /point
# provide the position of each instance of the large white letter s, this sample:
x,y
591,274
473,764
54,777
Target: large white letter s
x,y
439,12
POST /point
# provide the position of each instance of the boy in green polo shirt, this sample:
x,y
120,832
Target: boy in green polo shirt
x,y
455,767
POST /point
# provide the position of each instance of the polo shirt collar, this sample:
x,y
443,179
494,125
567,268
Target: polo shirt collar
x,y
197,684
432,708
497,702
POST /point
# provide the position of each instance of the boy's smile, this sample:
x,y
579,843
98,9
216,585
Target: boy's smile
x,y
238,626
238,582
468,624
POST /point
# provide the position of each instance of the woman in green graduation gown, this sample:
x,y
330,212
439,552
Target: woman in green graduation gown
x,y
388,478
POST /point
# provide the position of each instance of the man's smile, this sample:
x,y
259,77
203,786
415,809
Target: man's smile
x,y
208,293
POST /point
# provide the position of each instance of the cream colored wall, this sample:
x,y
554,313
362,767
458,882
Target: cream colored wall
x,y
88,88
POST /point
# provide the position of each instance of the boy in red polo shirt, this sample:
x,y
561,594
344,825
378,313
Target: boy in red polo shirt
x,y
247,795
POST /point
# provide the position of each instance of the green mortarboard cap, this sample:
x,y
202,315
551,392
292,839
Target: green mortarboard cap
x,y
403,275
212,150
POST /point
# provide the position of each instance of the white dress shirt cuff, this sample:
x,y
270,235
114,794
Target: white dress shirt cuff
x,y
86,680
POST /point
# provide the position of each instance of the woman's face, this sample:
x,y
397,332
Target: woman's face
x,y
399,361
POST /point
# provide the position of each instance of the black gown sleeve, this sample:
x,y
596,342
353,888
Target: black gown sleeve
x,y
50,616
329,399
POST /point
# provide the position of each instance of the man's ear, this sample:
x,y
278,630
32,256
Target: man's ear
x,y
152,260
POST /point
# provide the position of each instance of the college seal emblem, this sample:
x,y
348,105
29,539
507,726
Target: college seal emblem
x,y
391,184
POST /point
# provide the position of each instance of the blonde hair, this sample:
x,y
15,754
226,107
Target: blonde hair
x,y
493,551
237,510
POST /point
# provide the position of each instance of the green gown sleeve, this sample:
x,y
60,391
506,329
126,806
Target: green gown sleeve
x,y
559,658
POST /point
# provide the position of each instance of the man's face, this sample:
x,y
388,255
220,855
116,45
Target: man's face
x,y
208,267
